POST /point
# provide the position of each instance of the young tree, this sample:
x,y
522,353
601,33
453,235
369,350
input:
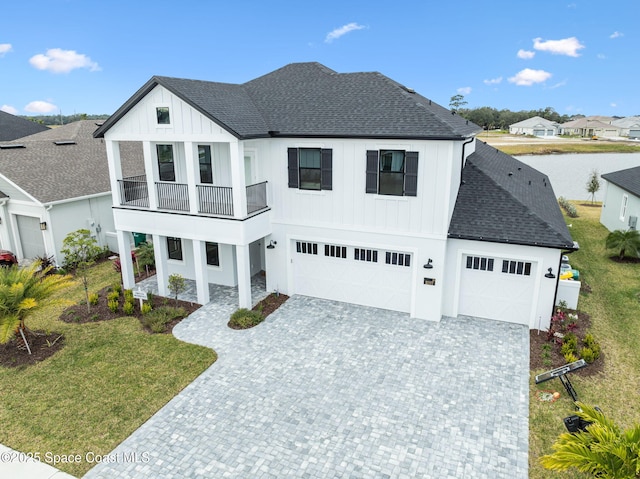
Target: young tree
x,y
626,243
80,251
456,102
602,450
146,256
177,285
22,292
593,185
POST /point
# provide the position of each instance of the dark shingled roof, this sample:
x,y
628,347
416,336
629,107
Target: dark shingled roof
x,y
310,100
13,127
628,179
50,172
505,201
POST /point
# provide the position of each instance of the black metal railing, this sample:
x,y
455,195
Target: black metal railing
x,y
215,200
133,191
172,196
256,197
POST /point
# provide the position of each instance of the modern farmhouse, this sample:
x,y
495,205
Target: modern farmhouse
x,y
345,186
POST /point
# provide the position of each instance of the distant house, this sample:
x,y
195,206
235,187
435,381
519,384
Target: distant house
x,y
12,127
536,126
589,127
621,206
629,126
52,183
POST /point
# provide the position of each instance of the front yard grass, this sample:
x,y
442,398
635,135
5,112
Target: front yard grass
x,y
107,380
602,146
614,307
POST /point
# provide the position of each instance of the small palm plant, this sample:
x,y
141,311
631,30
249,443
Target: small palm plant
x,y
626,243
602,450
22,292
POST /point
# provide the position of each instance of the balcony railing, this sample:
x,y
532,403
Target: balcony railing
x,y
172,196
215,200
133,191
256,197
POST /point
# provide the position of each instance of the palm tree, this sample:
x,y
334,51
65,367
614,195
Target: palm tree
x,y
627,243
602,450
22,292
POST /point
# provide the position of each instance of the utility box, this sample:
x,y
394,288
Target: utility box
x,y
139,238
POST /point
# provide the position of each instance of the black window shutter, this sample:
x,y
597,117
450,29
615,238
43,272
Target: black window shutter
x,y
411,173
372,171
292,154
326,165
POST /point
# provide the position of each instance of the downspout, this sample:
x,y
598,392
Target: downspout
x,y
462,159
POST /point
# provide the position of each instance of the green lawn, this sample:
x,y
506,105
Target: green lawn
x,y
109,378
559,148
614,306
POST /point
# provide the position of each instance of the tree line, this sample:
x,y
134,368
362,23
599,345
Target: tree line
x,y
491,118
49,120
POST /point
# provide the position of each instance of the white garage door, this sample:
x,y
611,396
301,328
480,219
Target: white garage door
x,y
370,277
497,288
30,236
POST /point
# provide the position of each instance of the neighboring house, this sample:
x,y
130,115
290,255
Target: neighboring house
x,y
536,126
629,126
589,127
349,187
13,127
55,182
621,206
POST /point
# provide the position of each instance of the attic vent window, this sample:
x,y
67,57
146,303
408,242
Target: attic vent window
x,y
11,147
65,142
162,115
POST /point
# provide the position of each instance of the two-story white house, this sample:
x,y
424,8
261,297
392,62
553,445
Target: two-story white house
x,y
349,187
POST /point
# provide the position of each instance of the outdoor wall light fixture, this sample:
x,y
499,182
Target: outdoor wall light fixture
x,y
550,274
428,265
272,244
43,225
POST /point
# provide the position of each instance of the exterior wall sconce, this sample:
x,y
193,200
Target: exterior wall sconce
x,y
43,225
272,244
428,265
550,274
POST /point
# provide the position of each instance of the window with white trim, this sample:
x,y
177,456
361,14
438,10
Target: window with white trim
x,y
174,248
306,247
480,263
399,259
392,172
362,254
162,115
166,168
213,255
335,251
310,168
522,268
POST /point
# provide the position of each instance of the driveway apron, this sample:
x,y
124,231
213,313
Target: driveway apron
x,y
324,389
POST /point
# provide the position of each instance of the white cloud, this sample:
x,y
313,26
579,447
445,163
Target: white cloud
x,y
9,109
572,5
5,48
493,81
465,90
343,30
558,85
566,46
614,105
526,54
616,35
601,56
528,77
57,60
40,107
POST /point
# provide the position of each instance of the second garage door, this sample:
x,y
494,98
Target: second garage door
x,y
371,277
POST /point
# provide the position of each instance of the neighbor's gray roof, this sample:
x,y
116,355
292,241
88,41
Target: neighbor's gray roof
x,y
505,201
310,100
534,121
12,127
51,172
628,179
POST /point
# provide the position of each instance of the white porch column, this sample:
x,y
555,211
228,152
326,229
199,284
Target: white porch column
x,y
189,158
244,276
239,191
160,253
149,163
124,247
115,169
200,266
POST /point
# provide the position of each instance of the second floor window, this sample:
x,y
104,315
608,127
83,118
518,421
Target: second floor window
x,y
310,168
392,172
204,158
166,168
162,115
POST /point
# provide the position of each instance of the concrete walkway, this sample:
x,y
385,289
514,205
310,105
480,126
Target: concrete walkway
x,y
325,389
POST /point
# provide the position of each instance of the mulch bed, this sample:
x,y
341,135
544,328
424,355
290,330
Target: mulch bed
x,y
270,303
42,344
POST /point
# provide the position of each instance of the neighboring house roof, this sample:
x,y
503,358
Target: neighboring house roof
x,y
534,121
503,200
13,127
311,100
628,179
627,122
74,168
587,123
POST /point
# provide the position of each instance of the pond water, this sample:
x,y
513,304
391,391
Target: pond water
x,y
569,173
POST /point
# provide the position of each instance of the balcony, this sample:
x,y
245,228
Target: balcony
x,y
212,200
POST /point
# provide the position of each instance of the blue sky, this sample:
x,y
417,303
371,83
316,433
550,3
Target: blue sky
x,y
83,56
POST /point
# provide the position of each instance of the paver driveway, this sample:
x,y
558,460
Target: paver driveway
x,y
324,389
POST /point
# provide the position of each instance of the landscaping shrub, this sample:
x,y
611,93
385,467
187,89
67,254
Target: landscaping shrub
x,y
113,296
146,308
93,299
157,319
588,355
113,305
128,295
117,287
244,318
571,210
128,308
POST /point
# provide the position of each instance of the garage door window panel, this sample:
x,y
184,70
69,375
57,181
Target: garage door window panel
x,y
306,247
480,263
335,251
522,268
